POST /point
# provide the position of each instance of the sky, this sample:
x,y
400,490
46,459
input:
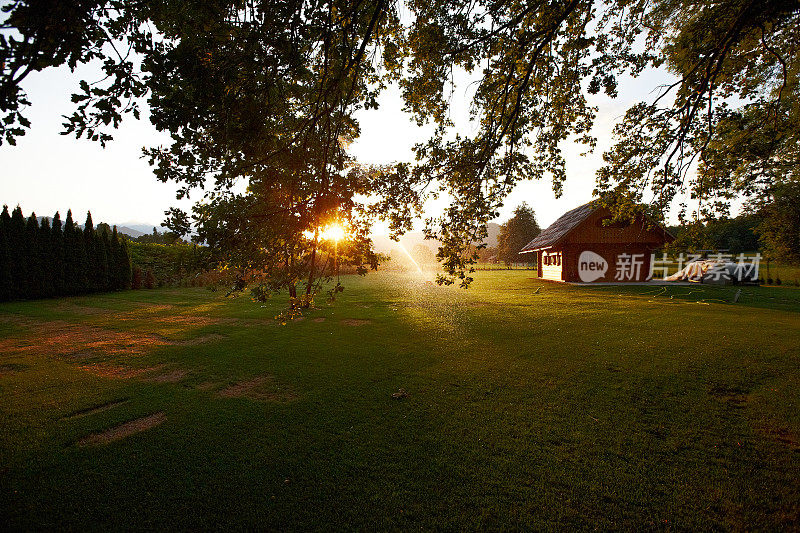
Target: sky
x,y
48,172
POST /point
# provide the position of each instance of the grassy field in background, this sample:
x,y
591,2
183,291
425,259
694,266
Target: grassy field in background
x,y
529,405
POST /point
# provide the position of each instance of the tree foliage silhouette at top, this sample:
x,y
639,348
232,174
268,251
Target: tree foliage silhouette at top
x,y
266,93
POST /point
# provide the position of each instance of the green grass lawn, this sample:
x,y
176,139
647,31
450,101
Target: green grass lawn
x,y
569,407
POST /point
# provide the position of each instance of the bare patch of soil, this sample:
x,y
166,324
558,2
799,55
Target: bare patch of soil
x,y
187,320
781,435
737,401
83,355
264,388
356,321
95,409
57,337
7,370
732,396
124,430
80,341
142,312
319,319
208,385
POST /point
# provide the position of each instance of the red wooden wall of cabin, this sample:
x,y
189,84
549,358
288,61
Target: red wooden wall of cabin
x,y
609,252
592,230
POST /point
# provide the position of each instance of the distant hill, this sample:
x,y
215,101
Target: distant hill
x,y
130,232
126,230
140,228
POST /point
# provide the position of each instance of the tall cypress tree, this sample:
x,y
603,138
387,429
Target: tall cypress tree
x,y
33,279
45,260
114,260
57,256
16,242
82,279
70,255
101,246
92,269
6,282
5,218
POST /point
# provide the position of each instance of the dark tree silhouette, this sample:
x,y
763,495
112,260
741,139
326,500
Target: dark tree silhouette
x,y
17,244
6,280
57,257
46,260
33,279
518,231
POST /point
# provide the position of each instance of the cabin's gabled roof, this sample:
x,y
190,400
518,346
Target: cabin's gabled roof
x,y
561,227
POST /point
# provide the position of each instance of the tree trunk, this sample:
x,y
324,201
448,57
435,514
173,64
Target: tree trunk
x,y
313,268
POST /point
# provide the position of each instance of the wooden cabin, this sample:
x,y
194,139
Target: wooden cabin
x,y
584,245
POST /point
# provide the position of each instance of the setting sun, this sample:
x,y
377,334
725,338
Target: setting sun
x,y
334,232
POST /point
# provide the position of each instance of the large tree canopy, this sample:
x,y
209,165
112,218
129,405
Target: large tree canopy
x,y
266,92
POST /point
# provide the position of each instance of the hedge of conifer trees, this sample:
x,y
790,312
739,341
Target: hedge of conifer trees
x,y
46,260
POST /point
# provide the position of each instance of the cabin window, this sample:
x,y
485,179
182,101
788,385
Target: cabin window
x,y
553,259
